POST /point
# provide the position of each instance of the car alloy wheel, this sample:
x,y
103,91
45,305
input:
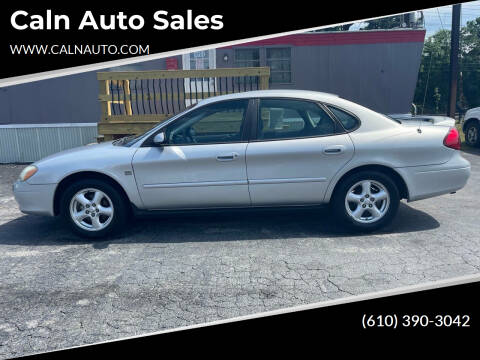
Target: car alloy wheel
x,y
472,135
91,209
367,201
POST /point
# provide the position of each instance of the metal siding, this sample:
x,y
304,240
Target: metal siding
x,y
28,144
381,75
66,99
68,138
47,142
351,70
8,145
89,134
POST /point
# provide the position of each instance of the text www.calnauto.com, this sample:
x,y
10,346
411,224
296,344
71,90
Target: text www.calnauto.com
x,y
75,49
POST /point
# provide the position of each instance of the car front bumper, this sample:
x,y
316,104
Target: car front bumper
x,y
433,180
34,199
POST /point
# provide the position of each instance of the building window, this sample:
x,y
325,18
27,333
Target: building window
x,y
279,60
199,60
247,57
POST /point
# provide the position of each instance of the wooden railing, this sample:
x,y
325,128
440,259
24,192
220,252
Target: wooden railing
x,y
132,102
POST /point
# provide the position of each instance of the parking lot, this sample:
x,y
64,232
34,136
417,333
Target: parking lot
x,y
57,290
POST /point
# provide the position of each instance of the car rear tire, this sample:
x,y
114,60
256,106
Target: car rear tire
x,y
472,134
366,201
94,208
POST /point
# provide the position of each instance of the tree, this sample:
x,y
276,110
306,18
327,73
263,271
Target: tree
x,y
436,98
433,76
431,93
470,62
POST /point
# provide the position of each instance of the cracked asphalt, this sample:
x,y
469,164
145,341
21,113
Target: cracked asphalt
x,y
57,290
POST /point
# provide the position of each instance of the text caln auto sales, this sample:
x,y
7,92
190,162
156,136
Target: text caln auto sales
x,y
22,20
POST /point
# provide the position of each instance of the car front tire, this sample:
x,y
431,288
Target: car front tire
x,y
366,201
94,208
472,134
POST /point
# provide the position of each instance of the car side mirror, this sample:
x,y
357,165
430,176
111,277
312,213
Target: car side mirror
x,y
159,139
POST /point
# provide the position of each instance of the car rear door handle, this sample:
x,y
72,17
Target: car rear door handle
x,y
227,157
335,149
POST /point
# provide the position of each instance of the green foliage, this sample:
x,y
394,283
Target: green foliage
x,y
433,78
470,62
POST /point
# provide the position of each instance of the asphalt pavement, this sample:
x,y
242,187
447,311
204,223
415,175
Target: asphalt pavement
x,y
57,290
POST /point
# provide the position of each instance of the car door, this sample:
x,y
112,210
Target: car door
x,y
297,149
202,162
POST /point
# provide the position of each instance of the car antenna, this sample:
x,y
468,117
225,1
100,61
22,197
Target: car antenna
x,y
419,130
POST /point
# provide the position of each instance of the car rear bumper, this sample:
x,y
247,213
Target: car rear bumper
x,y
433,180
34,199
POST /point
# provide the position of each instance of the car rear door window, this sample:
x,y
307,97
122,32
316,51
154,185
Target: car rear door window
x,y
285,118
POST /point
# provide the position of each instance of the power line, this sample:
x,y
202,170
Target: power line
x,y
441,22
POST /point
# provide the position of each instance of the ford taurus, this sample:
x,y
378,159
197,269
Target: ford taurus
x,y
254,149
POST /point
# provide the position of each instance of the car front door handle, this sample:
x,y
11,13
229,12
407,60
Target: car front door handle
x,y
227,157
335,149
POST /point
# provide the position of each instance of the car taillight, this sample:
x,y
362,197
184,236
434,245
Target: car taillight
x,y
452,139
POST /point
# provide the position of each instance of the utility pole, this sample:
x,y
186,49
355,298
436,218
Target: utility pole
x,y
454,68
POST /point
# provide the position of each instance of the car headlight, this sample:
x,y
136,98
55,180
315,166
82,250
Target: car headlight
x,y
27,173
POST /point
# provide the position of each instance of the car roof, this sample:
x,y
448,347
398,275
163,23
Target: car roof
x,y
301,94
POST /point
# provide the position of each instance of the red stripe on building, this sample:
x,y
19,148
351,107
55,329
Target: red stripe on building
x,y
342,38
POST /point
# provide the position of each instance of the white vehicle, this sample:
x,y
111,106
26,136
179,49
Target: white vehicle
x,y
253,149
471,127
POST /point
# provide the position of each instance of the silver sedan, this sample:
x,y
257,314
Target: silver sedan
x,y
253,149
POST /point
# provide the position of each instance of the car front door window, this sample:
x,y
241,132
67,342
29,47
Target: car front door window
x,y
217,123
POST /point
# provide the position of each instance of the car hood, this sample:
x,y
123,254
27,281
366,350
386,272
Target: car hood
x,y
77,151
472,112
104,158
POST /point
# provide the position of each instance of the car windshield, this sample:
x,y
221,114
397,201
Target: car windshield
x,y
129,140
